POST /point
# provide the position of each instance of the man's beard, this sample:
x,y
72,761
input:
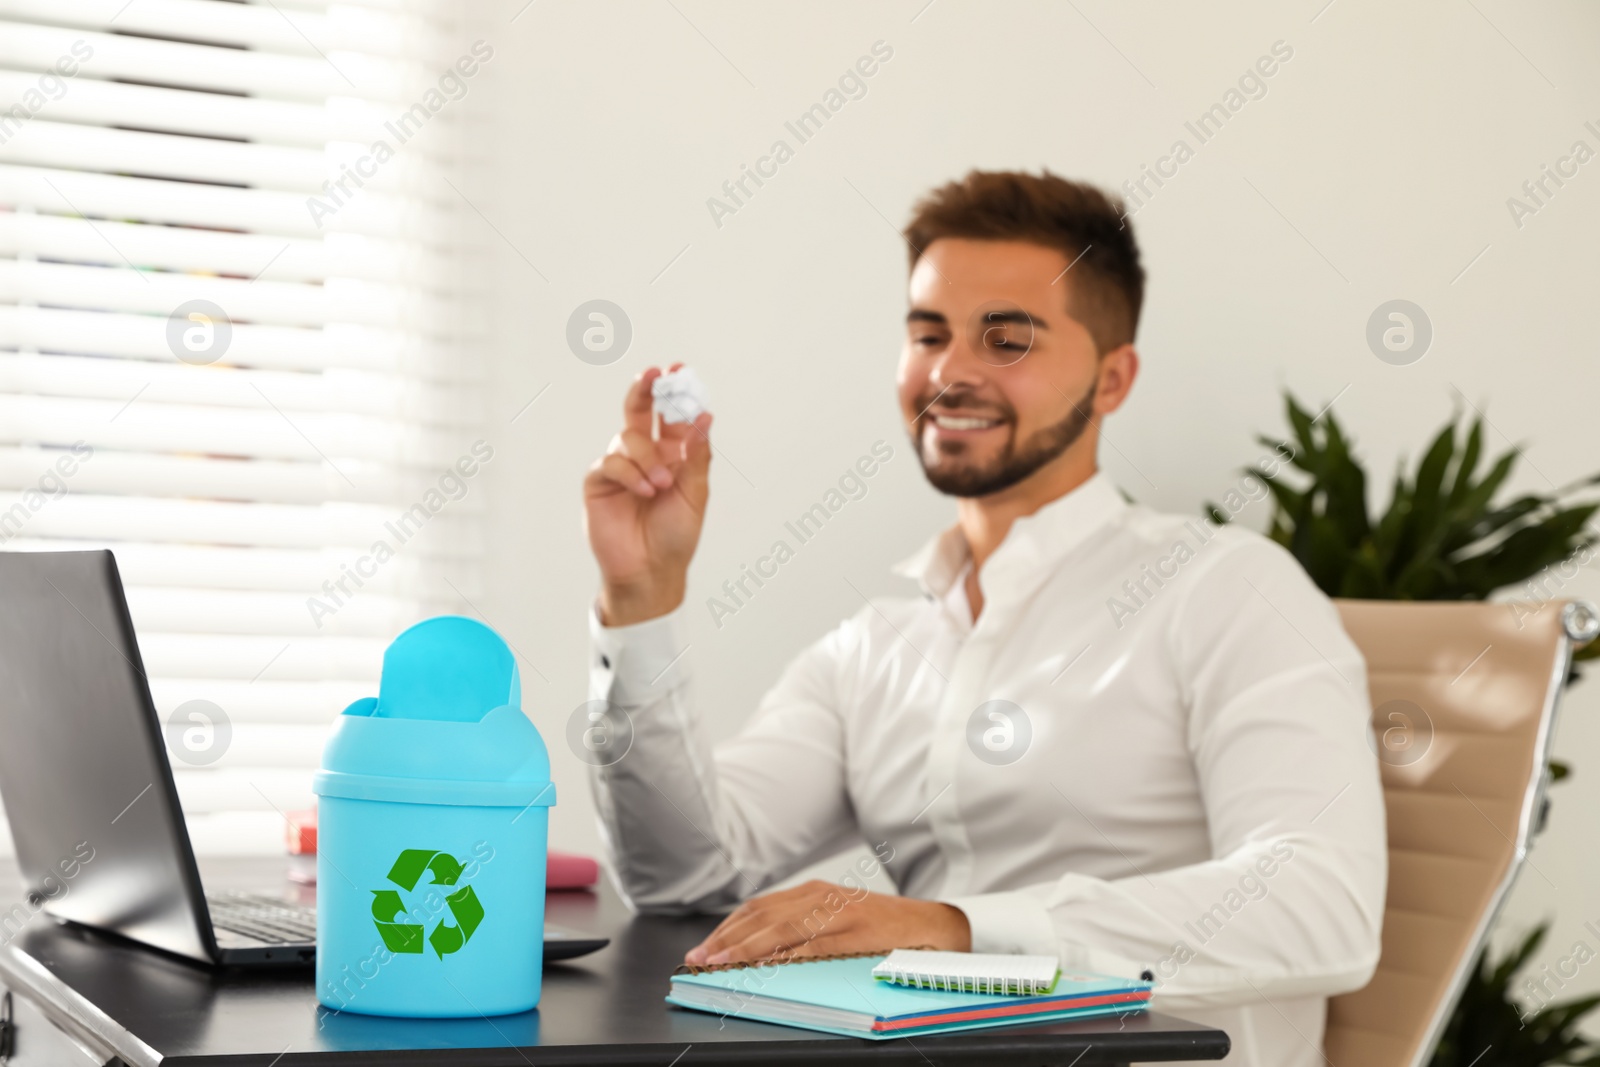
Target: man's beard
x,y
1015,463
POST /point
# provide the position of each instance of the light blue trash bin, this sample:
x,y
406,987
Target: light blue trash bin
x,y
433,811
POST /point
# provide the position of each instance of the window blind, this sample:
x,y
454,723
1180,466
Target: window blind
x,y
239,392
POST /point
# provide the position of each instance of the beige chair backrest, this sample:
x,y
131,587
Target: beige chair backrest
x,y
1464,698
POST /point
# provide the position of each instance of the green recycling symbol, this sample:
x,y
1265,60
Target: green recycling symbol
x,y
388,909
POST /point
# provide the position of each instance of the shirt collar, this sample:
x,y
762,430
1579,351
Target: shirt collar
x,y
1036,540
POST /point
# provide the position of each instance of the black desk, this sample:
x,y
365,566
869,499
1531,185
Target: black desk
x,y
603,1008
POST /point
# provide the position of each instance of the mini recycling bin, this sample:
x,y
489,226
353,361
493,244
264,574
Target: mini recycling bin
x,y
433,809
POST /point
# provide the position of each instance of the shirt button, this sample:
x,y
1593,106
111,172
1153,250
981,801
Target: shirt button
x,y
605,661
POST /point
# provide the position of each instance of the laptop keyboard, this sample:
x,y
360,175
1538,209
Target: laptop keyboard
x,y
263,917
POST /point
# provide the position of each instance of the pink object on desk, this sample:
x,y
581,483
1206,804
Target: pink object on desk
x,y
566,870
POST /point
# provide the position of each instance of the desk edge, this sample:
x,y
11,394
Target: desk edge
x,y
72,1011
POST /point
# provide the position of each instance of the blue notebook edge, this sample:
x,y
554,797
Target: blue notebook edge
x,y
1067,1015
761,994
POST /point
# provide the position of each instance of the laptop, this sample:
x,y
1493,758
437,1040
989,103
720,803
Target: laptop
x,y
100,838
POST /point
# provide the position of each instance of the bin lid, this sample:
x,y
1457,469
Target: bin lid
x,y
446,727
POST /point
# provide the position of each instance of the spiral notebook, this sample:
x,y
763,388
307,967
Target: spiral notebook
x,y
840,995
969,972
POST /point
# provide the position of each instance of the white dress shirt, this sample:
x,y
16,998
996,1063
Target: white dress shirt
x,y
1189,788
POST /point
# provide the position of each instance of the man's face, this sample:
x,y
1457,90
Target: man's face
x,y
996,381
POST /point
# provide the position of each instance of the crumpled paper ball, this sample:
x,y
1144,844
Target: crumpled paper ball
x,y
680,396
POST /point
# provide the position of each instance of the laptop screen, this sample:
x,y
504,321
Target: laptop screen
x,y
84,775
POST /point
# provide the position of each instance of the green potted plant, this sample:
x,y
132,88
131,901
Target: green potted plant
x,y
1445,535
1489,1030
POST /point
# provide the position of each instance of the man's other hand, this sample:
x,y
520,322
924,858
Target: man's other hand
x,y
821,919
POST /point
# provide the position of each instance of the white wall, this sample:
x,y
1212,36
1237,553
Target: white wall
x,y
1377,166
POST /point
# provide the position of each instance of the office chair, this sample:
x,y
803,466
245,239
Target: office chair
x,y
1464,698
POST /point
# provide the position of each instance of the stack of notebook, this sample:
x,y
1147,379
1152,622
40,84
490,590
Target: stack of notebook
x,y
903,994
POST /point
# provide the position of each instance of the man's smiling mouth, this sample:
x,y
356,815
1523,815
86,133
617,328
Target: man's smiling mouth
x,y
963,423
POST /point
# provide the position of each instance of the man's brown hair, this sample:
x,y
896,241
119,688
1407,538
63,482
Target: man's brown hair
x,y
1106,285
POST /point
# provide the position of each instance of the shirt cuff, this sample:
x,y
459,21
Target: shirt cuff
x,y
1008,922
635,664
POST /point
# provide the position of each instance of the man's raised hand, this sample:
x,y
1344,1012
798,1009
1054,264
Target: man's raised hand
x,y
644,502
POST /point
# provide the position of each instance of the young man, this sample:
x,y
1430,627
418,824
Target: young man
x,y
1126,739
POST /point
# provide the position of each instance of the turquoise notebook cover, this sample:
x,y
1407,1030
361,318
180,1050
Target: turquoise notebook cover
x,y
848,985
